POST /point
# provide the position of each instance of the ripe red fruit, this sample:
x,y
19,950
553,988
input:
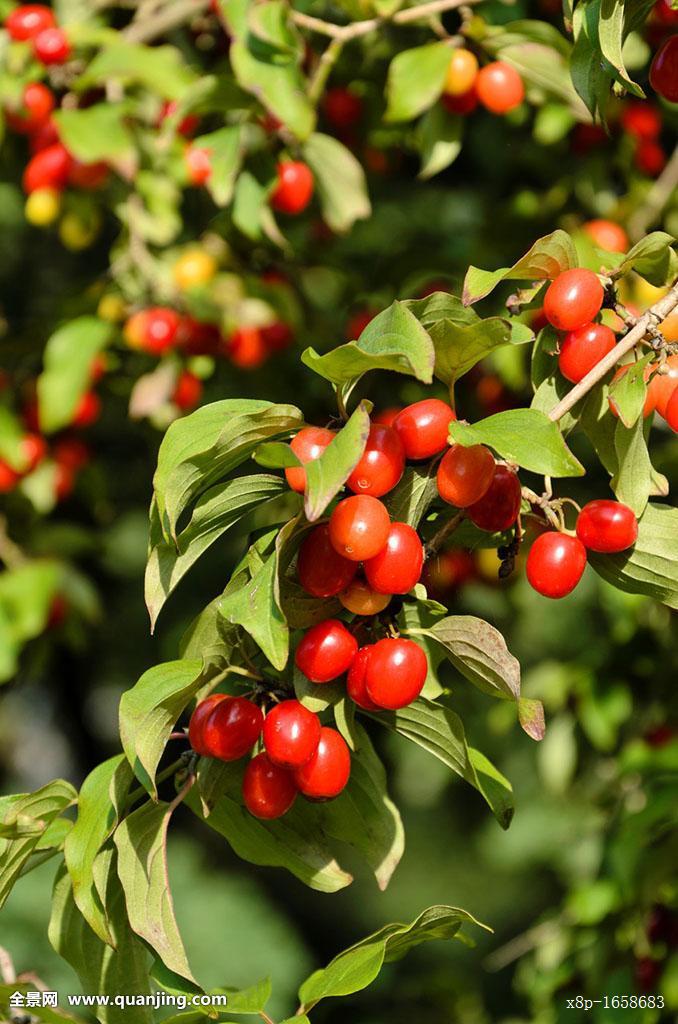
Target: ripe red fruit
x,y
88,176
397,567
357,324
71,453
51,46
381,464
326,651
573,299
87,410
641,120
607,235
187,391
321,570
359,527
308,445
28,20
9,477
197,723
499,87
582,349
246,348
268,790
665,13
387,416
607,526
37,105
277,336
499,507
198,165
661,387
47,169
465,474
464,104
43,136
328,771
64,482
160,328
360,599
342,107
294,188
671,414
356,686
664,70
33,449
555,564
423,427
291,734
650,158
395,673
187,126
232,728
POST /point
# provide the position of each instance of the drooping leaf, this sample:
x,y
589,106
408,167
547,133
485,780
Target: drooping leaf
x,y
524,436
415,80
629,391
68,358
410,499
548,257
326,475
531,716
633,483
439,139
340,181
651,257
479,652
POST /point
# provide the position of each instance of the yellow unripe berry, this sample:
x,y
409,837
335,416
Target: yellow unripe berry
x,y
670,328
360,599
112,308
194,268
76,234
43,207
462,72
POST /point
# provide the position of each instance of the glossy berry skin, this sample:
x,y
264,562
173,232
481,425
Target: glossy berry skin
x,y
555,564
246,348
294,188
360,599
198,165
342,108
499,87
397,567
671,415
387,416
308,445
9,477
462,72
356,686
33,449
423,427
641,120
664,70
291,734
381,465
328,771
87,410
231,728
322,571
28,20
582,349
51,46
465,474
47,169
662,385
607,235
37,105
268,791
187,391
161,326
359,527
326,651
650,158
607,526
197,723
499,507
573,299
395,673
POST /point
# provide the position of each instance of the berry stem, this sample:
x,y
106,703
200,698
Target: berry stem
x,y
182,794
443,533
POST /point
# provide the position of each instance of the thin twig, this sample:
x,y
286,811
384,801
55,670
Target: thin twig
x,y
182,794
171,16
361,28
438,539
659,195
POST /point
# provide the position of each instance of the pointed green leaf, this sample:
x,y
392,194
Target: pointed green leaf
x,y
326,475
415,80
548,257
524,436
67,373
340,181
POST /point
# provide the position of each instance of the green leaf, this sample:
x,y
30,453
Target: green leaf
x,y
160,69
415,80
275,455
410,499
141,842
651,565
326,475
100,803
216,511
150,709
479,652
591,75
27,592
68,358
340,181
612,32
524,436
357,967
314,697
250,202
96,133
11,436
439,137
201,448
650,257
629,391
633,483
227,149
548,257
531,717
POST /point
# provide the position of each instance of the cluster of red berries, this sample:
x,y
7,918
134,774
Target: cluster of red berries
x,y
68,453
497,86
300,755
36,24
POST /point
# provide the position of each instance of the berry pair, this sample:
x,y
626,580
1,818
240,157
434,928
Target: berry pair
x,y
497,85
35,23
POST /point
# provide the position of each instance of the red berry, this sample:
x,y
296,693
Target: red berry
x,y
465,474
573,299
187,126
500,88
359,527
71,452
28,20
361,599
198,165
662,385
246,348
396,672
641,120
43,136
51,46
294,187
308,445
160,329
232,728
423,427
33,449
664,70
499,507
64,482
277,336
671,414
387,416
555,564
358,322
397,567
381,464
328,771
647,973
187,391
9,477
197,723
582,349
37,105
88,176
326,651
607,526
47,169
607,235
268,790
322,571
464,104
650,158
342,107
664,12
87,410
291,734
356,680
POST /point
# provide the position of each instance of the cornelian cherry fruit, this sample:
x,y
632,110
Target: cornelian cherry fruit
x,y
196,725
161,326
664,70
246,348
387,416
607,235
28,20
37,104
187,391
326,651
662,385
397,567
359,527
607,526
555,564
322,571
360,599
342,107
499,87
381,465
294,187
641,120
51,46
49,168
87,410
355,681
583,348
33,449
462,72
268,790
573,299
291,734
198,165
395,673
9,477
328,771
423,427
231,728
465,474
461,105
650,157
307,445
499,506
671,414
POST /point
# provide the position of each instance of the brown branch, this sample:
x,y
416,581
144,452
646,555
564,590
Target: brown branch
x,y
655,201
171,16
361,28
438,539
